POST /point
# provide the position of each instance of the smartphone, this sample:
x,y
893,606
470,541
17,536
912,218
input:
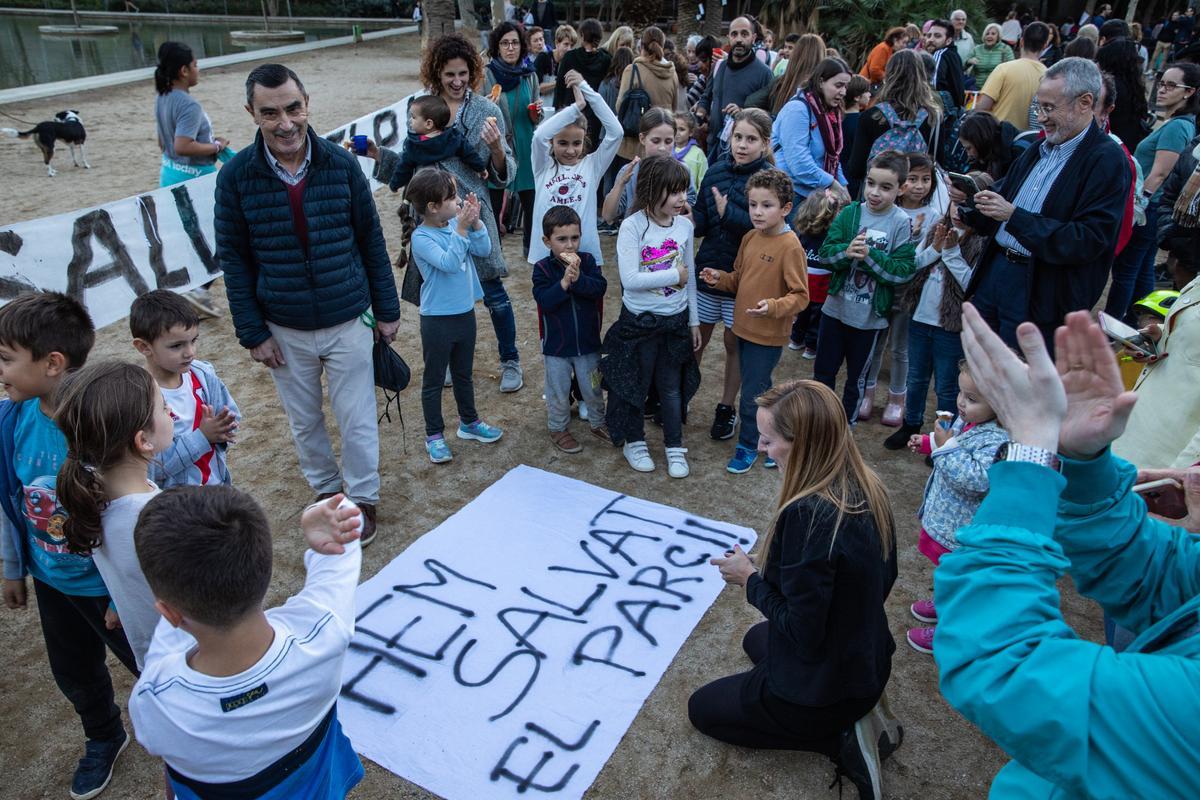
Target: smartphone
x,y
964,183
1164,497
1131,337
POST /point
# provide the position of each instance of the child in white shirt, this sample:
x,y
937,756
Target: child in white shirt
x,y
233,697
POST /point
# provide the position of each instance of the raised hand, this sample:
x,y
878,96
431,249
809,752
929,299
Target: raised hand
x,y
721,201
1098,406
1029,399
218,428
331,524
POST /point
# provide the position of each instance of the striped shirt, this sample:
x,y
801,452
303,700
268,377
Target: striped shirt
x,y
281,171
1033,191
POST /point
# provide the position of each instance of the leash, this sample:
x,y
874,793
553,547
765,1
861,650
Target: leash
x,y
18,119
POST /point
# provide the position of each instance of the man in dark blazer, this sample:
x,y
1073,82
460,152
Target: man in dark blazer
x,y
1054,219
948,74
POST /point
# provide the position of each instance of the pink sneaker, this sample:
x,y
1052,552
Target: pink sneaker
x,y
921,639
924,611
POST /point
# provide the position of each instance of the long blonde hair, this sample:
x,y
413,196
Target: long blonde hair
x,y
621,37
806,55
824,461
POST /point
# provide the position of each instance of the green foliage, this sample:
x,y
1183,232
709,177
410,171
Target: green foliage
x,y
855,26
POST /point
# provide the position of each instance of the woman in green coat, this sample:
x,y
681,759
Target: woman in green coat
x,y
988,55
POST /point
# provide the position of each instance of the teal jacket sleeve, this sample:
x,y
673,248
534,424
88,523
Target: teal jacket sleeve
x,y
1092,722
1138,568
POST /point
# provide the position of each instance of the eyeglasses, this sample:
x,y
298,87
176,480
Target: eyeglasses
x,y
1172,85
1046,109
510,43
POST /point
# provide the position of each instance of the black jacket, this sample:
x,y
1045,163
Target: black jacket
x,y
569,318
950,75
1183,243
547,20
270,275
722,235
593,67
419,152
1073,238
828,638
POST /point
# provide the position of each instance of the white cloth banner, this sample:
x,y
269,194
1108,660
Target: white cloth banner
x,y
510,648
107,255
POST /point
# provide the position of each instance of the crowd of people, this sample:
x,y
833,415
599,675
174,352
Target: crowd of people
x,y
953,198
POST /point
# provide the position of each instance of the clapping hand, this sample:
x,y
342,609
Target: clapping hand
x,y
331,524
858,249
218,428
1098,406
939,236
468,215
917,225
571,273
720,200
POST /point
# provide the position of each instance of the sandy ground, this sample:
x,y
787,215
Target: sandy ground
x,y
661,756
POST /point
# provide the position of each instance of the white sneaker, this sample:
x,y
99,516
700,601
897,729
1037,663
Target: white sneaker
x,y
677,466
583,412
638,456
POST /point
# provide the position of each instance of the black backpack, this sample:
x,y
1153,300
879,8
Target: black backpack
x,y
635,103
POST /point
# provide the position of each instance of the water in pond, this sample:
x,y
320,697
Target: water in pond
x,y
27,57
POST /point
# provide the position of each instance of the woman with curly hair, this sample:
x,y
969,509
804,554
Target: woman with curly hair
x,y
453,70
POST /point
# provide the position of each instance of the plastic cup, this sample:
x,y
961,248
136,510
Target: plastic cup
x,y
360,144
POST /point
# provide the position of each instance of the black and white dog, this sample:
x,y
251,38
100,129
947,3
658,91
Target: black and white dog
x,y
66,126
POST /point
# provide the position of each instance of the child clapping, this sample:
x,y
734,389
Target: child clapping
x,y
771,284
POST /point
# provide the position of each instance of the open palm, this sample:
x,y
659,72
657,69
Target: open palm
x,y
1098,406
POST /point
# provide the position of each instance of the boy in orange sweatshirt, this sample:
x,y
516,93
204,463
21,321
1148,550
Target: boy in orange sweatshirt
x,y
770,281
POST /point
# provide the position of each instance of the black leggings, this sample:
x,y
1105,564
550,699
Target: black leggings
x,y
751,716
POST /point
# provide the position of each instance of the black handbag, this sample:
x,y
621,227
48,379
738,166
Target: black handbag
x,y
635,103
392,375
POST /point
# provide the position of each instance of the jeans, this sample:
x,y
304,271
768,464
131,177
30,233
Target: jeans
x,y
73,628
343,353
931,351
839,342
757,362
807,325
559,384
897,341
1002,298
1133,270
656,371
725,710
495,298
447,341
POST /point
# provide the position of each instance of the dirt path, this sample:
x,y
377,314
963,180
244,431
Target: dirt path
x,y
943,756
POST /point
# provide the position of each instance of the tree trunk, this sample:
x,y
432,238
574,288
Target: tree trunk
x,y
437,19
686,23
470,23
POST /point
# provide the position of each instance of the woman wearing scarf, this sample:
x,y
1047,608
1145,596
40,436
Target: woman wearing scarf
x,y
511,82
807,134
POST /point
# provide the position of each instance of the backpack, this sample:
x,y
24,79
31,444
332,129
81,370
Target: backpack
x,y
902,135
949,151
635,103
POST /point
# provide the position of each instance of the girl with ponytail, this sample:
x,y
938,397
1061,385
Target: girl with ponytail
x,y
115,421
185,133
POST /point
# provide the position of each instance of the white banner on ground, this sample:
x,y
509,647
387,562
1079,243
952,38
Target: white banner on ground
x,y
107,255
510,648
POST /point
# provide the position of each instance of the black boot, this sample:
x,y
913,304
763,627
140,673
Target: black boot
x,y
899,439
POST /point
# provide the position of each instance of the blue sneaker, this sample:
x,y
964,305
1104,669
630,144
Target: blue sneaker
x,y
769,463
96,767
743,459
480,431
439,451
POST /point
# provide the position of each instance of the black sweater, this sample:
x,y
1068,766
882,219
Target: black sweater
x,y
593,67
828,638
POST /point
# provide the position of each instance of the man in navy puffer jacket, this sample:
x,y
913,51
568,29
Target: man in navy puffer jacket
x,y
299,240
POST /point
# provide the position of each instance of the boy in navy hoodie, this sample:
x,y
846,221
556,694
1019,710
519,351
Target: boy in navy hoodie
x,y
569,290
431,140
43,336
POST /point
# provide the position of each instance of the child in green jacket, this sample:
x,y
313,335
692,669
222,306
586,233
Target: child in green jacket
x,y
868,251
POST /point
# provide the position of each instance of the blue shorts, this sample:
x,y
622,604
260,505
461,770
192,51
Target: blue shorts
x,y
714,309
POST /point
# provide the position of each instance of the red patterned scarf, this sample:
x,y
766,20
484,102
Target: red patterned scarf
x,y
829,123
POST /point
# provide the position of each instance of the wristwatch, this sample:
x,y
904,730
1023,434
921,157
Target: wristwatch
x,y
1013,451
